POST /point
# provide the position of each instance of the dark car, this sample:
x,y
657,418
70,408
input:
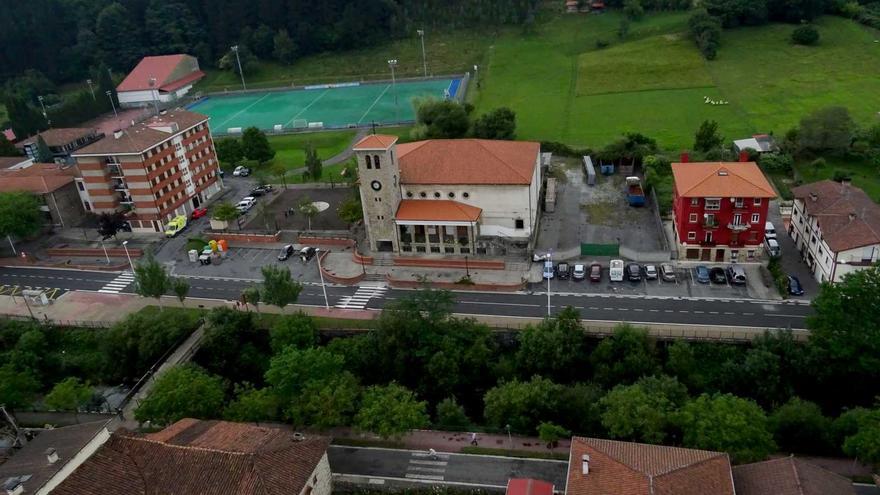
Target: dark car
x,y
595,272
794,286
261,190
702,274
634,272
286,252
563,271
717,275
307,253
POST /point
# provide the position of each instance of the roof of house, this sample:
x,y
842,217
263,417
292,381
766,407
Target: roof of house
x,y
11,161
758,142
468,161
438,210
59,137
375,142
162,68
528,486
848,217
31,459
199,457
789,476
627,468
39,178
140,137
721,180
9,134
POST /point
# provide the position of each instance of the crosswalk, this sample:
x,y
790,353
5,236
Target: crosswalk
x,y
116,285
426,466
360,298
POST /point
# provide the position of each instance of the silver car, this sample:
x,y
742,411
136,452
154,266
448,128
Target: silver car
x,y
580,271
650,272
667,272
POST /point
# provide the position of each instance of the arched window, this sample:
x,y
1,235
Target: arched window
x,y
369,162
376,161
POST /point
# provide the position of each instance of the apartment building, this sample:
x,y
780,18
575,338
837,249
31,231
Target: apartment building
x,y
156,170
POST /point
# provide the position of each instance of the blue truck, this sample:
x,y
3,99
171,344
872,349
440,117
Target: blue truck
x,y
635,195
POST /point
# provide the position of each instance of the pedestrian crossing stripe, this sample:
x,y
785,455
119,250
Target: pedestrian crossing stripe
x,y
361,297
116,285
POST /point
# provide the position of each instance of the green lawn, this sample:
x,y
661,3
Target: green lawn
x,y
863,174
290,150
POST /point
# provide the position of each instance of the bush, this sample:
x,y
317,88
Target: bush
x,y
776,162
196,243
600,44
818,163
706,31
840,176
563,149
805,35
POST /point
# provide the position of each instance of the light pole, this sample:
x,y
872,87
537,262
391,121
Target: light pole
x,y
155,92
549,260
467,269
105,251
238,61
89,82
43,106
321,273
112,104
424,57
509,437
125,246
393,63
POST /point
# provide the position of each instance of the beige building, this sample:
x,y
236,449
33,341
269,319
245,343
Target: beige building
x,y
449,196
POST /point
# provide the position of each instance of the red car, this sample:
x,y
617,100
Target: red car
x,y
199,213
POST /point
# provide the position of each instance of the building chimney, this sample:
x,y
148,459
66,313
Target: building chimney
x,y
585,464
814,197
51,455
852,216
117,134
744,156
685,157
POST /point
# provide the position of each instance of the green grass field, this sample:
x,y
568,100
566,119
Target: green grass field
x,y
863,174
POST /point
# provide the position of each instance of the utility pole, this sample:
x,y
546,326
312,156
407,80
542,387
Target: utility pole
x,y
424,58
549,260
238,61
112,104
43,106
155,91
89,82
393,63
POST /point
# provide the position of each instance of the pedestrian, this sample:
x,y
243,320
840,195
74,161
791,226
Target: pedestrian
x,y
474,439
433,454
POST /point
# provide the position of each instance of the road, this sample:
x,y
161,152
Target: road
x,y
372,463
596,307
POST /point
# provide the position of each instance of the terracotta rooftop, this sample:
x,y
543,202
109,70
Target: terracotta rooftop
x,y
375,142
721,180
626,468
199,457
436,210
140,137
59,137
789,476
162,68
848,217
39,178
11,161
468,161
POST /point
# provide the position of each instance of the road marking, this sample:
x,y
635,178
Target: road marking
x,y
502,304
308,106
116,285
432,477
374,103
785,316
426,469
430,463
416,480
375,481
236,114
361,298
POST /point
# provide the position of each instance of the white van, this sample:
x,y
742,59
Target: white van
x,y
769,230
772,246
615,271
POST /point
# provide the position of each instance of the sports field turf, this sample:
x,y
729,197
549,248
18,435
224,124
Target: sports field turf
x,y
333,107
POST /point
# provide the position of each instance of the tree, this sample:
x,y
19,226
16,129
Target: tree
x,y
279,289
7,148
451,416
314,165
864,444
706,31
181,288
799,426
105,83
633,10
806,35
441,119
184,391
291,369
225,212
109,224
522,405
151,279
285,48
280,171
20,214
728,424
553,348
255,145
326,403
17,386
390,411
121,52
643,411
171,27
247,59
252,405
229,151
550,434
26,120
233,346
308,209
351,210
623,28
69,395
827,130
263,41
251,295
298,331
708,138
626,356
497,124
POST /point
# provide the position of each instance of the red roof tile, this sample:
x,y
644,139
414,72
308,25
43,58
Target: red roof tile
x,y
140,137
721,180
468,161
789,476
436,210
162,68
60,136
375,142
848,217
39,178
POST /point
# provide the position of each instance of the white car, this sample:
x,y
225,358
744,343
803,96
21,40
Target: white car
x,y
579,273
651,272
615,271
769,230
241,171
246,204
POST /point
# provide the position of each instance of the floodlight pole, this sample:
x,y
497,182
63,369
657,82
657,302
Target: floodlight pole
x,y
238,61
393,63
424,57
43,106
153,82
112,104
89,82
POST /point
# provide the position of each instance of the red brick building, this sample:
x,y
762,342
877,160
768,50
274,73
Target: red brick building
x,y
719,210
161,168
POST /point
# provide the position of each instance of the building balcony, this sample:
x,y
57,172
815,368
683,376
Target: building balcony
x,y
738,227
708,243
114,170
710,225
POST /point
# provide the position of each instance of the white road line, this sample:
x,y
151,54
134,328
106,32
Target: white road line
x,y
308,106
432,477
374,103
785,316
426,469
429,463
236,114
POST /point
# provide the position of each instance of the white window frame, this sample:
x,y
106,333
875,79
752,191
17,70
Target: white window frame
x,y
692,218
738,202
756,218
695,201
692,236
756,201
713,204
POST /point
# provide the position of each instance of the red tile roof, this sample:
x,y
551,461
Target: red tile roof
x,y
848,217
162,68
59,137
626,468
140,137
436,210
528,486
721,180
468,161
375,142
39,178
11,161
789,476
199,457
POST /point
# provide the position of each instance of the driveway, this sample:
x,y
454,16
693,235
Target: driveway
x,y
791,259
245,263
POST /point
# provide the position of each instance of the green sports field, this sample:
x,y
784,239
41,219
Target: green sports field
x,y
333,107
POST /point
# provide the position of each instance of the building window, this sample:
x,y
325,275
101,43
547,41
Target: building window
x,y
437,194
713,204
87,205
738,202
376,161
692,236
692,218
435,249
80,186
519,223
756,217
369,162
695,201
751,254
756,201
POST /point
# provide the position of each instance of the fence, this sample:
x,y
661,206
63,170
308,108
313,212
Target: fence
x,y
600,249
644,256
658,219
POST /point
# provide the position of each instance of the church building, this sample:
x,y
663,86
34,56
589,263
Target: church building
x,y
449,196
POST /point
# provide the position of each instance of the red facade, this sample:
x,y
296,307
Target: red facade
x,y
710,222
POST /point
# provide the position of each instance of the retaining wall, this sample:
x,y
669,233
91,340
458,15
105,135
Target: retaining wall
x,y
335,278
450,263
93,252
244,237
415,284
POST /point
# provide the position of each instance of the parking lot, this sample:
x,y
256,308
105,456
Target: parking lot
x,y
245,263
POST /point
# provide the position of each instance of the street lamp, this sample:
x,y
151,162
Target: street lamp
x,y
509,437
43,106
125,246
89,82
105,251
321,273
467,269
424,58
153,81
238,61
112,104
392,64
549,260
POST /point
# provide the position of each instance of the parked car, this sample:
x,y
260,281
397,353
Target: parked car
x,y
769,230
794,286
549,272
563,271
246,204
702,274
241,171
286,252
651,272
579,272
667,271
717,275
736,274
615,271
772,246
175,226
261,190
199,213
596,272
634,272
307,253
